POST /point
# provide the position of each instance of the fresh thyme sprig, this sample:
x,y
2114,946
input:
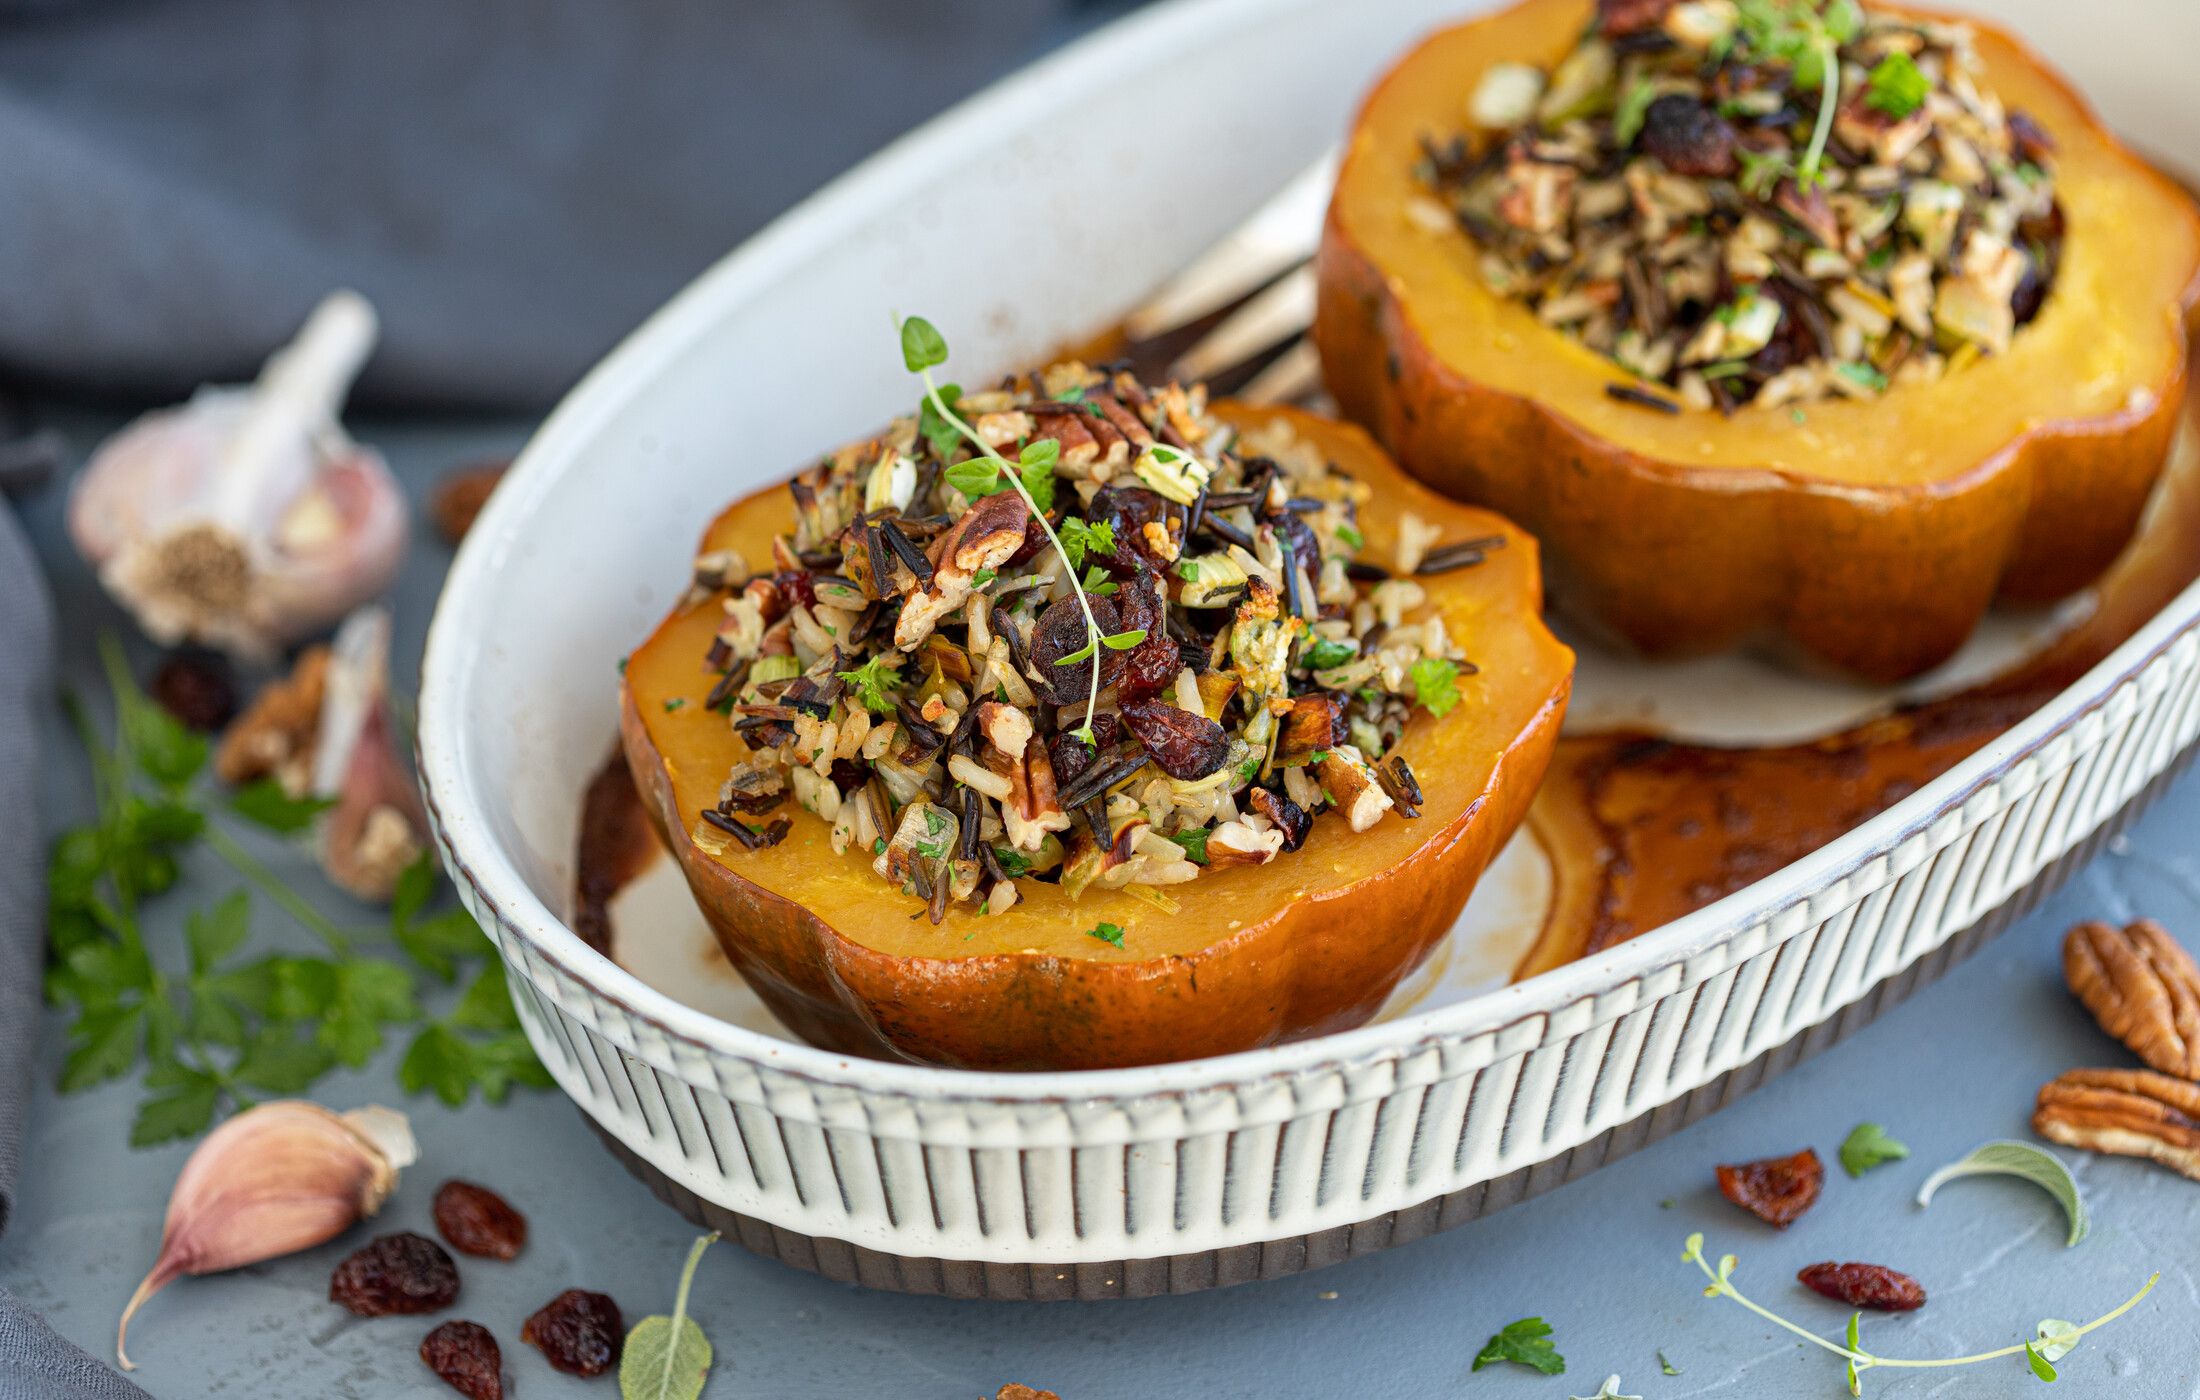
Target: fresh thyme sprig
x,y
2055,1339
1807,35
923,348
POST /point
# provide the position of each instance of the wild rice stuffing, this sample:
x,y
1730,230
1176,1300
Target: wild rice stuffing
x,y
915,668
1697,192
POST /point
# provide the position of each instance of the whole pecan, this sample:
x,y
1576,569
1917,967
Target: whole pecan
x,y
1776,1190
2127,1112
2143,988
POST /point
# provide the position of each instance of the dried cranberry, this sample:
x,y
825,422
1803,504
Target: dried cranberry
x,y
477,1221
196,689
400,1273
1617,18
1182,744
1153,663
1776,1190
1864,1286
1289,817
578,1332
1061,633
467,1358
1071,756
796,586
1688,138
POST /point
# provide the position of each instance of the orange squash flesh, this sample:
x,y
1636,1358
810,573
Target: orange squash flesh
x,y
1311,942
1871,536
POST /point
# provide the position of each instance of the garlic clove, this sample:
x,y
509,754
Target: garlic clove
x,y
277,1178
246,519
378,825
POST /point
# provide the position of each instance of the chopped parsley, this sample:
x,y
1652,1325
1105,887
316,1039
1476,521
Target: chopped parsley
x,y
1013,862
675,703
1097,583
1194,843
874,683
1326,655
1896,86
1106,933
1436,684
1858,373
1188,570
1081,537
983,577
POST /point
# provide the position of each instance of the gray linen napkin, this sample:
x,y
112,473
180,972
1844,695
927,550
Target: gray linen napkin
x,y
514,183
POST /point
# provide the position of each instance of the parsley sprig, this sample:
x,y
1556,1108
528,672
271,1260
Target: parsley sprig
x,y
218,1021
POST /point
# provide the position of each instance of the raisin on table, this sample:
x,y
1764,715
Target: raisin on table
x,y
467,1358
1864,1286
400,1273
475,1220
1776,1190
578,1332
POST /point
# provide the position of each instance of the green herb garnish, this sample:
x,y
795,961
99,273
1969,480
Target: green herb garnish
x,y
1524,1343
1868,1146
1106,933
1436,684
874,683
1896,86
1194,843
222,1025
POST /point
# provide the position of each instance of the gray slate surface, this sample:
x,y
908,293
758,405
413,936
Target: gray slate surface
x,y
1600,1259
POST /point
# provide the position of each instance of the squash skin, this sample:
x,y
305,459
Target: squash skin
x,y
1320,937
1872,537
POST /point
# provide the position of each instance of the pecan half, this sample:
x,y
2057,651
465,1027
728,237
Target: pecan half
x,y
2127,1112
2143,987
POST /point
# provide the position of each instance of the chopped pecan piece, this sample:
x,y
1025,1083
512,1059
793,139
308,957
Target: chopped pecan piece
x,y
2143,987
274,737
2125,1112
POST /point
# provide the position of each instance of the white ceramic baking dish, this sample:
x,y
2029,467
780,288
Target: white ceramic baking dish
x,y
1032,214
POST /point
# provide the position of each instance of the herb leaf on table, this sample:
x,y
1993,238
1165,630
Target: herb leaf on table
x,y
1525,1343
215,1020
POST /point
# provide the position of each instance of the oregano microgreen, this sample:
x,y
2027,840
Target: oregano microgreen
x,y
1851,1348
922,349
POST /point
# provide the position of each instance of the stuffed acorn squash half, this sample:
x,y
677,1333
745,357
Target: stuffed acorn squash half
x,y
1079,723
1769,318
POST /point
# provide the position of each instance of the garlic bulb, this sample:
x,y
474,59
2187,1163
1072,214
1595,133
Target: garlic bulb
x,y
275,1179
246,519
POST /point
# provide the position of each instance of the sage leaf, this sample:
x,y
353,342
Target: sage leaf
x,y
668,1358
2025,1162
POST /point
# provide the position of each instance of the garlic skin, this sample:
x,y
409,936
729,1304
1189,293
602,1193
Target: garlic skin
x,y
277,1178
246,519
377,826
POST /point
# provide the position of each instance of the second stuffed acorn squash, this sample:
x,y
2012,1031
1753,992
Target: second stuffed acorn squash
x,y
1871,535
1311,940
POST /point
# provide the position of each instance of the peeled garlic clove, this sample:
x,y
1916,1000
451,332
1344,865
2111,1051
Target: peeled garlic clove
x,y
378,825
275,1179
246,519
